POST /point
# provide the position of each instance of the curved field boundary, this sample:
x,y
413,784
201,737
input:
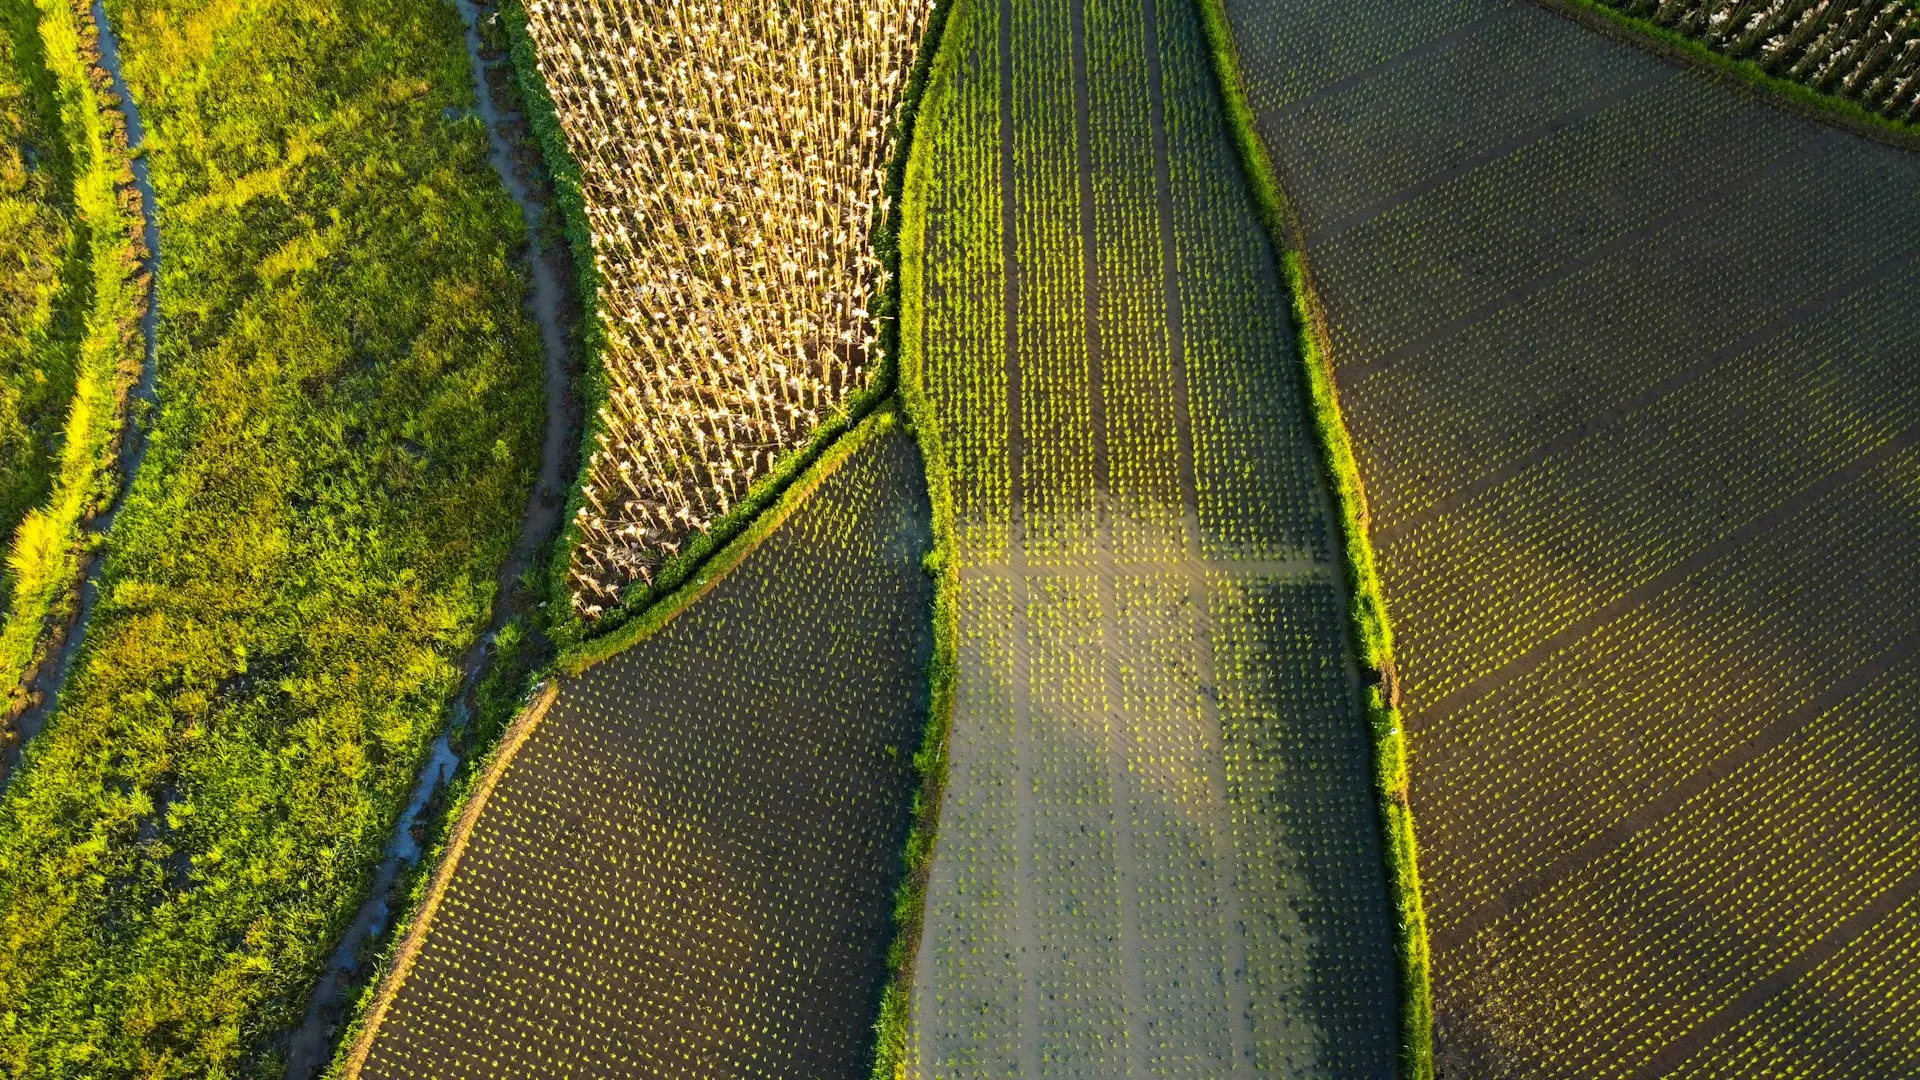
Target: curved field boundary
x,y
1372,632
409,945
891,1045
691,561
584,655
1782,93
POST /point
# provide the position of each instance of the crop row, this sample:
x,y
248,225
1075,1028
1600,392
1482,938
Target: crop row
x,y
1866,51
1289,54
1491,579
734,164
1479,236
1664,690
1800,1032
1785,848
688,866
1130,325
1514,72
964,289
1604,335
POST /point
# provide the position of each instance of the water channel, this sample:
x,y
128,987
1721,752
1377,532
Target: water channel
x,y
311,1045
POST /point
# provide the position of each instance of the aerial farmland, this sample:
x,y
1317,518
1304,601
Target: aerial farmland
x,y
959,539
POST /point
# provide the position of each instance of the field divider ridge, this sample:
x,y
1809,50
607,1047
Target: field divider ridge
x,y
893,1051
1751,78
1364,595
690,562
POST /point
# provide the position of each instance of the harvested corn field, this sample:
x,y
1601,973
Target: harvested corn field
x,y
734,160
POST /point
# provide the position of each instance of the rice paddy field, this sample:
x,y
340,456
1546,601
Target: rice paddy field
x,y
1628,359
688,867
1159,850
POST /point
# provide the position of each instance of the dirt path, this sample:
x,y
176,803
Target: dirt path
x,y
310,1045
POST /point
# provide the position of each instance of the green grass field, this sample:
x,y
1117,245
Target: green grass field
x,y
1627,359
71,296
348,423
687,868
39,300
1159,850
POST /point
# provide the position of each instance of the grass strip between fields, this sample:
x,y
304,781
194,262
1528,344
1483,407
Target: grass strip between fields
x,y
568,628
48,551
1366,599
1794,97
930,762
579,657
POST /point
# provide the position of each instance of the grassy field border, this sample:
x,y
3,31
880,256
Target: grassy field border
x,y
1796,98
50,550
1371,630
567,628
891,1030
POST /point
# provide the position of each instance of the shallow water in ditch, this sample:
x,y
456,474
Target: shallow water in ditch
x,y
51,677
310,1046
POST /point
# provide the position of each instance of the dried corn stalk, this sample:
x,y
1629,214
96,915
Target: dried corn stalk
x,y
734,156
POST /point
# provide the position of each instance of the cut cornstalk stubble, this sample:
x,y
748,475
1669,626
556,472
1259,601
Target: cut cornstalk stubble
x,y
733,159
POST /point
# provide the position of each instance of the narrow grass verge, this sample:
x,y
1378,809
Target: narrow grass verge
x,y
568,628
930,762
50,549
580,656
1785,93
1366,599
468,800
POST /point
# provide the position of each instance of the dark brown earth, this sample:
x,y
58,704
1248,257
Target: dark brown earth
x,y
1629,360
688,868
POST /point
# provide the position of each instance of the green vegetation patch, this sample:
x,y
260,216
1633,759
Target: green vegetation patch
x,y
348,426
701,836
71,296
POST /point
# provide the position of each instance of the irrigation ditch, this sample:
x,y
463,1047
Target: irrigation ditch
x,y
66,636
521,584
